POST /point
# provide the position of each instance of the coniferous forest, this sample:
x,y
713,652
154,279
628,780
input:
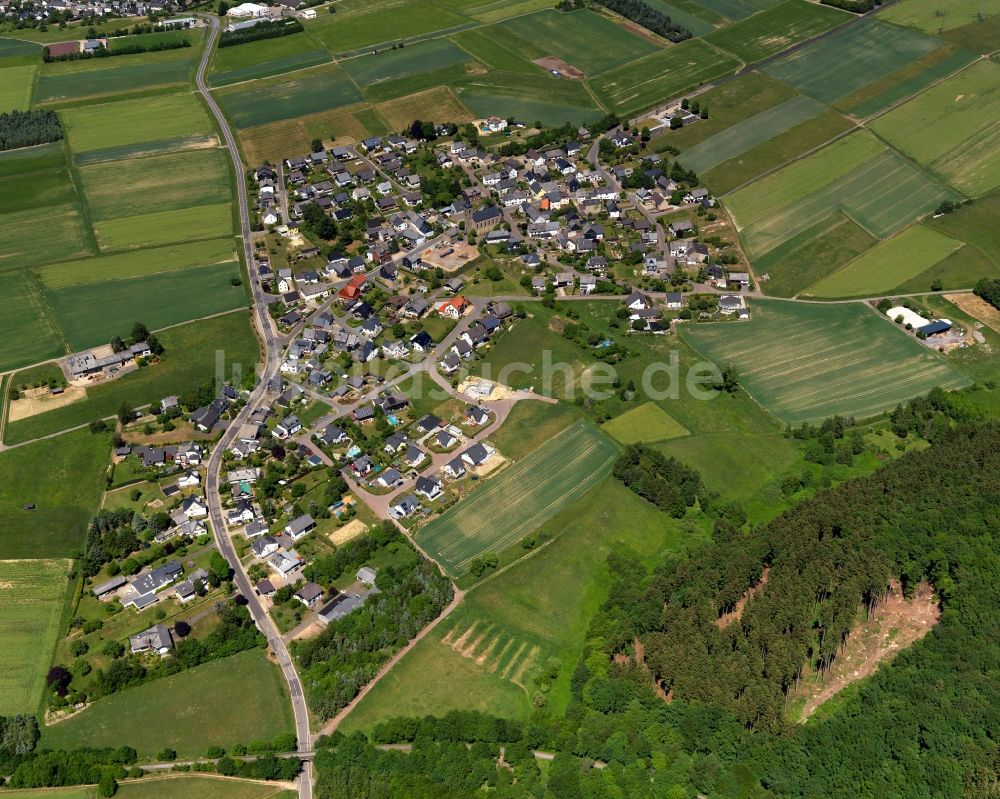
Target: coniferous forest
x,y
923,725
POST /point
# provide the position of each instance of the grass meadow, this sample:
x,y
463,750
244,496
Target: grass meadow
x,y
272,68
31,601
63,477
544,99
198,703
512,504
416,59
27,334
493,52
166,786
934,16
776,29
189,361
892,263
487,652
361,23
860,54
66,235
266,58
667,73
71,81
133,122
806,362
646,423
308,92
951,128
16,83
163,227
92,313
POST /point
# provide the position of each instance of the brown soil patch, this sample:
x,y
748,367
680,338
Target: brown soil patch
x,y
44,401
352,529
894,625
736,613
977,308
564,69
180,434
311,631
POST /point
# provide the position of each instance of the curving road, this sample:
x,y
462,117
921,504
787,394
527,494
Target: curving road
x,y
272,349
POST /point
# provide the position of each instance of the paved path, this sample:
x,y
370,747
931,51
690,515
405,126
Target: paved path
x,y
272,348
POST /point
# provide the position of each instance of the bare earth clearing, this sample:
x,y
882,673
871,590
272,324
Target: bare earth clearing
x,y
566,70
895,624
39,400
977,308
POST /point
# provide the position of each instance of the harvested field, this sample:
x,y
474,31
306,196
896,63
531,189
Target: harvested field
x,y
977,308
273,141
894,625
564,69
352,529
526,495
44,401
439,101
805,362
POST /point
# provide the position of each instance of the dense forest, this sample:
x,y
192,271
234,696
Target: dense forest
x,y
666,482
348,653
923,726
28,128
650,18
989,290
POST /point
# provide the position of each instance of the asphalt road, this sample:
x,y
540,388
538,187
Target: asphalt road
x,y
272,348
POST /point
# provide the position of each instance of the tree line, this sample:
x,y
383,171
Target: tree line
x,y
989,290
28,128
262,30
666,482
125,49
650,18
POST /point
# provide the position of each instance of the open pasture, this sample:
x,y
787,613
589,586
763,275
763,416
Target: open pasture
x,y
206,717
41,190
32,159
159,183
402,87
890,264
63,478
588,41
512,504
132,122
952,128
780,149
857,55
269,69
745,135
494,53
189,362
415,59
91,314
529,98
307,92
63,81
20,242
696,18
266,58
935,16
361,23
663,75
805,362
737,9
26,334
31,599
646,423
137,264
164,227
15,87
486,11
776,29
811,255
17,51
439,101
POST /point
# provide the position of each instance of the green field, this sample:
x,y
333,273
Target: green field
x,y
26,334
132,122
647,423
934,16
890,264
525,495
189,362
495,54
698,19
139,264
266,58
588,41
31,601
15,87
158,183
360,23
537,98
858,55
153,230
40,190
396,64
738,9
538,609
75,80
306,92
951,128
805,362
32,159
167,786
743,136
774,152
91,314
776,29
18,48
269,69
667,73
199,704
63,477
812,254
